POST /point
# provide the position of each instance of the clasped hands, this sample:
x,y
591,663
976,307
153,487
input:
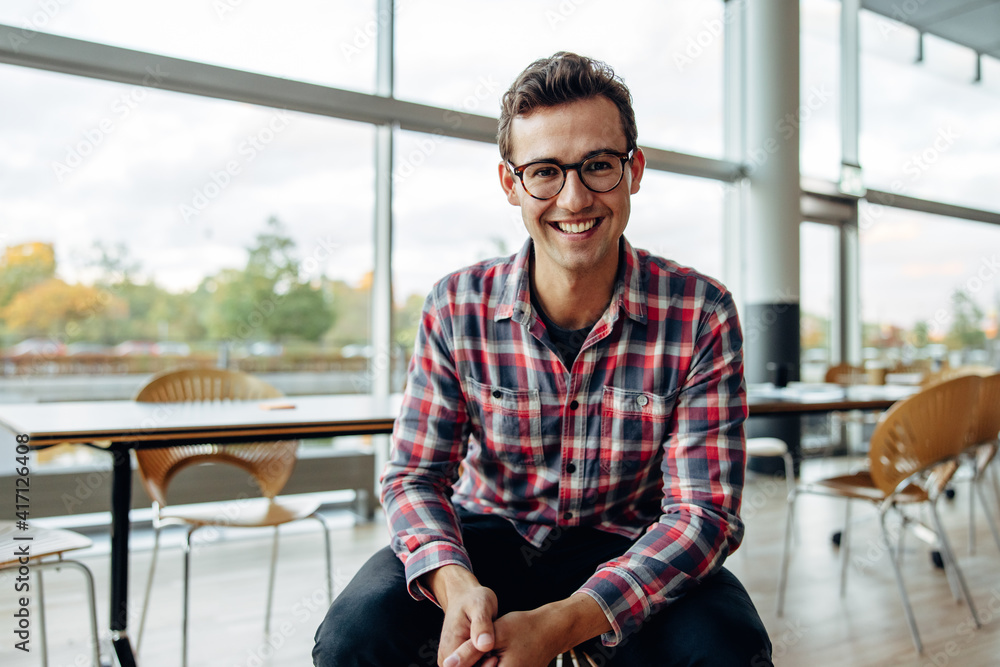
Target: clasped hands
x,y
472,635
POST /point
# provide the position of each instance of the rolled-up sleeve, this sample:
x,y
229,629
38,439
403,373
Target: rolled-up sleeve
x,y
703,468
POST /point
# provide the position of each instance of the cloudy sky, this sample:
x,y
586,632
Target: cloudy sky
x,y
185,182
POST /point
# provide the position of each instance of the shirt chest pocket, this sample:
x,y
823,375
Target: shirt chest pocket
x,y
510,423
634,425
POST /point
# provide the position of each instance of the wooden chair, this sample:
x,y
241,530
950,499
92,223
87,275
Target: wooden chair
x,y
914,452
573,658
846,375
985,444
44,545
270,465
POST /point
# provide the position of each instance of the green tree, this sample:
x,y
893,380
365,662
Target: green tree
x,y
269,299
967,316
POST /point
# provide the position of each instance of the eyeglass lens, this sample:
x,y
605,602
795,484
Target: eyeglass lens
x,y
599,173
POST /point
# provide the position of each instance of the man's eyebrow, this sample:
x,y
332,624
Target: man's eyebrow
x,y
590,154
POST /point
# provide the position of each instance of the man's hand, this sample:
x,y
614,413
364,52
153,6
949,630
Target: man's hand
x,y
469,610
534,638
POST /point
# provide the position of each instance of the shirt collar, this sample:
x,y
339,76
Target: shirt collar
x,y
629,295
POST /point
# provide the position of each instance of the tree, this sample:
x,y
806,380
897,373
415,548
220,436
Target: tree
x,y
23,266
48,308
965,329
268,299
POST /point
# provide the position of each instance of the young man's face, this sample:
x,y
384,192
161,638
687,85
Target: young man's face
x,y
576,231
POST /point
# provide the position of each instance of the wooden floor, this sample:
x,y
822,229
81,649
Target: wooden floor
x,y
819,628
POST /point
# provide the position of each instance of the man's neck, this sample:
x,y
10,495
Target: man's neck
x,y
573,301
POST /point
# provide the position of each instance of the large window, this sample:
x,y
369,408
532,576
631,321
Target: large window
x,y
142,223
819,246
927,130
818,114
930,287
322,41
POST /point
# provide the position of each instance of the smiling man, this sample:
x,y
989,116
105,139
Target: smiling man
x,y
568,464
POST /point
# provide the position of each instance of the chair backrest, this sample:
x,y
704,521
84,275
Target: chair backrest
x,y
270,463
988,420
946,374
924,431
846,374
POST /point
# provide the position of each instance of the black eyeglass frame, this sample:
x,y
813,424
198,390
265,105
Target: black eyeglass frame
x,y
566,168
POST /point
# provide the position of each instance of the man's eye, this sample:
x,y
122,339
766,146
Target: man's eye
x,y
543,172
599,166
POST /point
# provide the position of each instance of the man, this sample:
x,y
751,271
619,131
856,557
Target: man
x,y
568,464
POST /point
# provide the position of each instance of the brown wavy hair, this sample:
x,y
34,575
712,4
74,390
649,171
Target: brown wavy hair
x,y
564,77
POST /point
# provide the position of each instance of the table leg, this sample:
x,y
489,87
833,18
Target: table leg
x,y
121,502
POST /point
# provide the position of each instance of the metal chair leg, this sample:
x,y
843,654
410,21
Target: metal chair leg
x,y
786,553
91,605
911,621
44,643
845,548
187,596
270,582
949,557
328,553
149,587
990,519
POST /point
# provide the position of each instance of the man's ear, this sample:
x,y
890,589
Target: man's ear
x,y
637,167
508,184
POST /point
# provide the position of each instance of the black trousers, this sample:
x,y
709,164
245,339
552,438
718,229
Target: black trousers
x,y
375,622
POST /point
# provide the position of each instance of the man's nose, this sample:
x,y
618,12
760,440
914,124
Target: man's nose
x,y
575,196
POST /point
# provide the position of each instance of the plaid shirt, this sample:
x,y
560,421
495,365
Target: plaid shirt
x,y
642,437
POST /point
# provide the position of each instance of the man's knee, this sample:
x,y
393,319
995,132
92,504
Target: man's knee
x,y
374,621
713,624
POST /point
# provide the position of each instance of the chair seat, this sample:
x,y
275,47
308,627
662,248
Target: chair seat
x,y
44,542
246,513
860,485
766,447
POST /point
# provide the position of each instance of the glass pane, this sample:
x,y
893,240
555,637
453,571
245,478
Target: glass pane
x,y
818,243
927,130
930,288
679,218
819,110
330,42
677,86
129,217
434,234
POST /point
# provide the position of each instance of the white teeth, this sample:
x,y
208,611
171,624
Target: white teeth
x,y
578,228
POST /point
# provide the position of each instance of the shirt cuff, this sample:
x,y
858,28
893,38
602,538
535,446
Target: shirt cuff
x,y
428,558
623,600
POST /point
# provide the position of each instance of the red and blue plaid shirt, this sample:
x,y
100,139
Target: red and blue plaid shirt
x,y
642,437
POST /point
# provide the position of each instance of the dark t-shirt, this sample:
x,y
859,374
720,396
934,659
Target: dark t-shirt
x,y
567,341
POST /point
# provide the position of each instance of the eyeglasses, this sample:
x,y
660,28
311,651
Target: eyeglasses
x,y
546,178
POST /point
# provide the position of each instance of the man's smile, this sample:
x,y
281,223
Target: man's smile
x,y
576,226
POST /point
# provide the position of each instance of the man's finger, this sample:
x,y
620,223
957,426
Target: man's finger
x,y
481,631
465,655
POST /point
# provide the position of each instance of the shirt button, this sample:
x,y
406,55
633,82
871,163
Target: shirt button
x,y
642,400
571,468
567,515
496,393
574,405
